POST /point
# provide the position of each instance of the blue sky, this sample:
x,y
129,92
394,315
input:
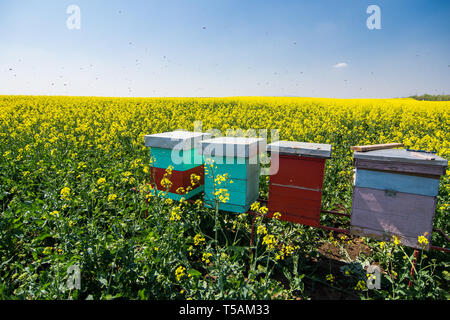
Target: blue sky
x,y
225,48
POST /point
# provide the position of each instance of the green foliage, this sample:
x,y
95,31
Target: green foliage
x,y
431,97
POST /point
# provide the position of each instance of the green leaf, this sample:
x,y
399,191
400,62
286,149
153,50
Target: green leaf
x,y
194,273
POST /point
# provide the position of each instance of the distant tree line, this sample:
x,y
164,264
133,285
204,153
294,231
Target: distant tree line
x,y
431,97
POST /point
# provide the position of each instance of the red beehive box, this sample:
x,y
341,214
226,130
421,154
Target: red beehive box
x,y
179,179
177,150
296,179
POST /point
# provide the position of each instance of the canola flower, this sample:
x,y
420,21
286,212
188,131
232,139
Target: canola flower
x,y
165,181
54,213
371,276
270,241
65,193
330,278
285,251
180,190
112,197
47,250
220,178
222,195
395,240
175,214
206,256
360,286
261,230
422,240
195,179
256,207
180,273
198,239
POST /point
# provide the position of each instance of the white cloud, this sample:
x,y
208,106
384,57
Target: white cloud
x,y
340,65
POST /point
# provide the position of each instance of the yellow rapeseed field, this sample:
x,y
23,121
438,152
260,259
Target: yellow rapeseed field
x,y
82,156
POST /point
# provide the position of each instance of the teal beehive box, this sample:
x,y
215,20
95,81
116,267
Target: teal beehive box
x,y
232,169
177,167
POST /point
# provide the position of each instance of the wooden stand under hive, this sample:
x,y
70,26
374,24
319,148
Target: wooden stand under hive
x,y
395,194
177,166
237,159
296,180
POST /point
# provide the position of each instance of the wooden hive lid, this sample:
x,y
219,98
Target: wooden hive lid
x,y
232,147
178,140
318,150
402,155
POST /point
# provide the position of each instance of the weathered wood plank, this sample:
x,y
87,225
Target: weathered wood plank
x,y
397,182
399,167
376,147
319,150
423,155
401,155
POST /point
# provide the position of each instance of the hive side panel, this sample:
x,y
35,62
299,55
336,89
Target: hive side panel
x,y
235,198
177,197
237,190
295,204
385,236
238,185
252,186
394,166
228,207
299,171
178,179
379,215
300,219
180,160
394,224
237,168
401,204
397,182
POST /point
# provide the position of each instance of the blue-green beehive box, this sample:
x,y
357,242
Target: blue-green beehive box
x,y
239,159
179,150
